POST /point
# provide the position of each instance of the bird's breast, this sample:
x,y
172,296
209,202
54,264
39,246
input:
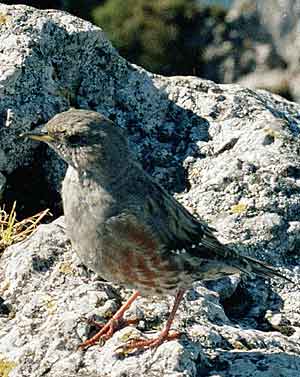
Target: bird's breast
x,y
86,208
114,241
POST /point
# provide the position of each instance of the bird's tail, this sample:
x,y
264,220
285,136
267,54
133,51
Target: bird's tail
x,y
251,265
239,262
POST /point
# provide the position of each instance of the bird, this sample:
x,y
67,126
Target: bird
x,y
126,227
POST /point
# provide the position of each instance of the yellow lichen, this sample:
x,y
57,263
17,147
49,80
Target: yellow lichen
x,y
108,314
131,334
6,366
239,345
3,18
238,208
51,305
66,268
271,132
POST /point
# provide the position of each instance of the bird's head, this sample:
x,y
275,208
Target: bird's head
x,y
86,140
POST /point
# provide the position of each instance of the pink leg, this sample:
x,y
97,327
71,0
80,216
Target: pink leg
x,y
112,325
163,336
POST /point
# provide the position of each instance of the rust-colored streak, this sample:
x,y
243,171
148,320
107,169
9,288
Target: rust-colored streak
x,y
126,266
139,262
147,274
153,257
141,238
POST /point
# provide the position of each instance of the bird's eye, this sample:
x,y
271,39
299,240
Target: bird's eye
x,y
76,140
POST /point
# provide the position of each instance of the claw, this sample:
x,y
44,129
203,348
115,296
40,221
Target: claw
x,y
118,321
135,344
162,337
107,330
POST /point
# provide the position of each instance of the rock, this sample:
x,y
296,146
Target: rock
x,y
252,363
279,322
237,152
50,293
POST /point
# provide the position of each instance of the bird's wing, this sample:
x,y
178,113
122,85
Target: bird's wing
x,y
177,229
129,232
158,222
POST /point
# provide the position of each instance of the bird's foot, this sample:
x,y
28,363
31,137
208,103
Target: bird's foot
x,y
135,344
106,331
115,323
142,344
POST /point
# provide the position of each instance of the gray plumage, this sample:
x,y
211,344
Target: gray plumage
x,y
123,224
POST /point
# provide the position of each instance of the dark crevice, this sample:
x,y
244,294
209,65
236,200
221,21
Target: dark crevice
x,y
292,255
249,303
30,189
237,305
228,146
5,309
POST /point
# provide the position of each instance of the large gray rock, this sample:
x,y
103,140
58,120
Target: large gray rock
x,y
236,150
51,61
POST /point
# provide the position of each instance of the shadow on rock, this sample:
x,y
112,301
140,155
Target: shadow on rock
x,y
254,363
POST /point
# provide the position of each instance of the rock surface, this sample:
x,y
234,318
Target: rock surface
x,y
237,153
48,294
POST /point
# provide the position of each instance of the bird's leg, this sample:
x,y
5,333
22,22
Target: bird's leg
x,y
163,336
112,325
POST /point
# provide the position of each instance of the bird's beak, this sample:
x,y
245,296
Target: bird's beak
x,y
39,134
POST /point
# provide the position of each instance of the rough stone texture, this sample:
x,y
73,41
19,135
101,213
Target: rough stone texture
x,y
237,153
39,78
47,294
